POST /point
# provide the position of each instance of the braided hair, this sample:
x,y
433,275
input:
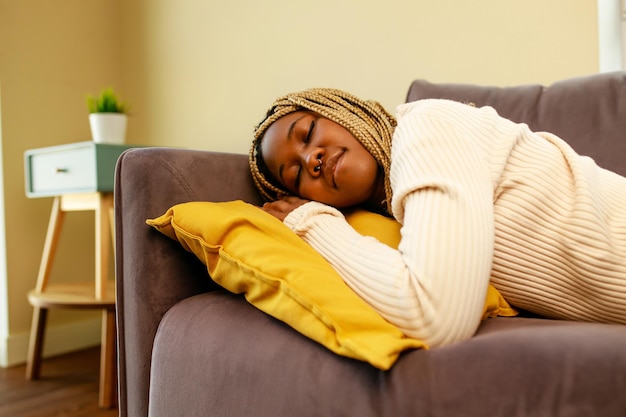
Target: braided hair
x,y
366,120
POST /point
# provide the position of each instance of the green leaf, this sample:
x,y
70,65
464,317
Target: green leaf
x,y
106,102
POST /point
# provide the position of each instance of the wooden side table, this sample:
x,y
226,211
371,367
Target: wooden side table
x,y
79,176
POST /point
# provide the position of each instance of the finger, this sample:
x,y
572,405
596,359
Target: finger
x,y
272,205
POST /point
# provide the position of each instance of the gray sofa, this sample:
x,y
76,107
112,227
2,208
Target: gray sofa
x,y
189,348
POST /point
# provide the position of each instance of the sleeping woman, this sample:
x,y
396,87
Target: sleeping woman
x,y
481,200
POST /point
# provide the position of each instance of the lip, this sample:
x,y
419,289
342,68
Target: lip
x,y
330,167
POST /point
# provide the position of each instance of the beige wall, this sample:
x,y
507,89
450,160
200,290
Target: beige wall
x,y
201,73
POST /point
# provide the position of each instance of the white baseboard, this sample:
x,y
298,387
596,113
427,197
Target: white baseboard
x,y
60,339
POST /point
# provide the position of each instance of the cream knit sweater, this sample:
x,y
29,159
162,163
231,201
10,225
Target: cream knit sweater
x,y
482,199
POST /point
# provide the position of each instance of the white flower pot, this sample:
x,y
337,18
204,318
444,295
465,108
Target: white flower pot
x,y
108,127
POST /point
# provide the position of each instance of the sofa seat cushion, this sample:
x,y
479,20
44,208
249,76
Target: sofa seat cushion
x,y
217,347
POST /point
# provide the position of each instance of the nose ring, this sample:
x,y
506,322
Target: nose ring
x,y
319,167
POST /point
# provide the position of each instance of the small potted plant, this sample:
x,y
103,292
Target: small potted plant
x,y
107,117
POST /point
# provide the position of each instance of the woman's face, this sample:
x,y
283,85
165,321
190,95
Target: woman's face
x,y
318,159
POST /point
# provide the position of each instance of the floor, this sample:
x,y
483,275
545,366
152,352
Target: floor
x,y
68,387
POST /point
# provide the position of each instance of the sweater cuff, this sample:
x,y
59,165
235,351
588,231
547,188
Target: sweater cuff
x,y
300,219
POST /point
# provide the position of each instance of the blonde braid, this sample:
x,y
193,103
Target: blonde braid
x,y
366,120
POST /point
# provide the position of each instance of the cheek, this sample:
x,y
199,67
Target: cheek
x,y
364,179
363,169
357,187
368,169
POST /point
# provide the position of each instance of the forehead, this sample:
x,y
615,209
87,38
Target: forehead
x,y
282,124
278,133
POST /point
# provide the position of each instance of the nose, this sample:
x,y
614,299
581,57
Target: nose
x,y
313,162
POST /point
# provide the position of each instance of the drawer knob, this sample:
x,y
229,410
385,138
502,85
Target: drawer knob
x,y
61,170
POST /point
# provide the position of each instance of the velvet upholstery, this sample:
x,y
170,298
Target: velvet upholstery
x,y
189,348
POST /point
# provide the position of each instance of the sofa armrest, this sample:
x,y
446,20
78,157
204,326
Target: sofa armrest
x,y
153,273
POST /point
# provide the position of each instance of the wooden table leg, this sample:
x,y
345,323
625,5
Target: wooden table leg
x,y
55,224
108,350
108,360
35,344
103,242
40,315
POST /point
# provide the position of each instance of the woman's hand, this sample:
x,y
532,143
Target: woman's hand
x,y
281,208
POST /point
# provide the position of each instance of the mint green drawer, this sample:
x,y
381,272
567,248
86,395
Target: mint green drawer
x,y
73,168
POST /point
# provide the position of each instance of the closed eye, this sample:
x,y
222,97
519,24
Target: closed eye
x,y
306,140
298,175
308,136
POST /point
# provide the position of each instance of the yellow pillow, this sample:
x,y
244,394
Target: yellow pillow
x,y
387,231
249,251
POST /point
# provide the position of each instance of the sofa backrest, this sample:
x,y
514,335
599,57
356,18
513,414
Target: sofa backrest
x,y
588,112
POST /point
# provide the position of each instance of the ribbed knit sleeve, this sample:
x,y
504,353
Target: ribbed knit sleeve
x,y
373,270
